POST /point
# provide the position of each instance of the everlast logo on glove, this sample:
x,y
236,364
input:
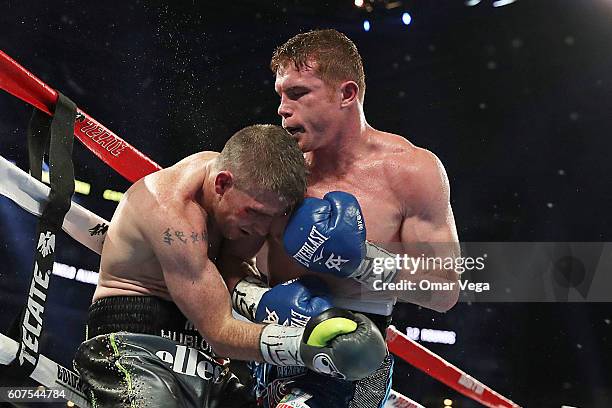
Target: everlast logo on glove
x,y
327,235
306,252
195,364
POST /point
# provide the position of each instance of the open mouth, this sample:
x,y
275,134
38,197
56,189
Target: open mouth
x,y
294,130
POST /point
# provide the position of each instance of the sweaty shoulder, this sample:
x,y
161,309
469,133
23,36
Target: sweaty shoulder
x,y
180,181
171,192
416,175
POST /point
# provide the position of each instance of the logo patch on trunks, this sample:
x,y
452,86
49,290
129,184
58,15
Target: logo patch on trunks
x,y
189,361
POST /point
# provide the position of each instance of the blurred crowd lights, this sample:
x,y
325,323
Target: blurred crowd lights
x,y
496,3
80,187
74,273
84,188
406,20
500,3
406,17
112,195
431,335
368,5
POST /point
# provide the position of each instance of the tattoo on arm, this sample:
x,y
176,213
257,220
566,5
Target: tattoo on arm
x,y
171,236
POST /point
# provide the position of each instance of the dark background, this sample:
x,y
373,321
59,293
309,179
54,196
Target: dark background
x,y
515,100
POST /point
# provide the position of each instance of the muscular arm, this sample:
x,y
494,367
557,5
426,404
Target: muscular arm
x,y
195,285
428,229
237,259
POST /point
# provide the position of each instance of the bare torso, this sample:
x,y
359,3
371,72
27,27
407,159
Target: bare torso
x,y
128,265
375,179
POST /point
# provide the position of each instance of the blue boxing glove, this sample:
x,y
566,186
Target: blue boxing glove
x,y
327,235
292,303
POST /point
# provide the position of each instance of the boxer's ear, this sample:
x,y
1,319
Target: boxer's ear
x,y
223,182
350,93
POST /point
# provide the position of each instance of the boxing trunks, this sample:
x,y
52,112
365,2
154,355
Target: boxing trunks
x,y
296,387
142,352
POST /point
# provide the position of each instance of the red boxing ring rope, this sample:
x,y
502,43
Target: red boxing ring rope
x,y
110,148
435,366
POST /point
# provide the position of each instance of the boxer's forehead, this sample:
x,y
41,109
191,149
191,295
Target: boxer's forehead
x,y
269,203
289,77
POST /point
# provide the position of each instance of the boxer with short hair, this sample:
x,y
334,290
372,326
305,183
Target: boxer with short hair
x,y
396,189
161,313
